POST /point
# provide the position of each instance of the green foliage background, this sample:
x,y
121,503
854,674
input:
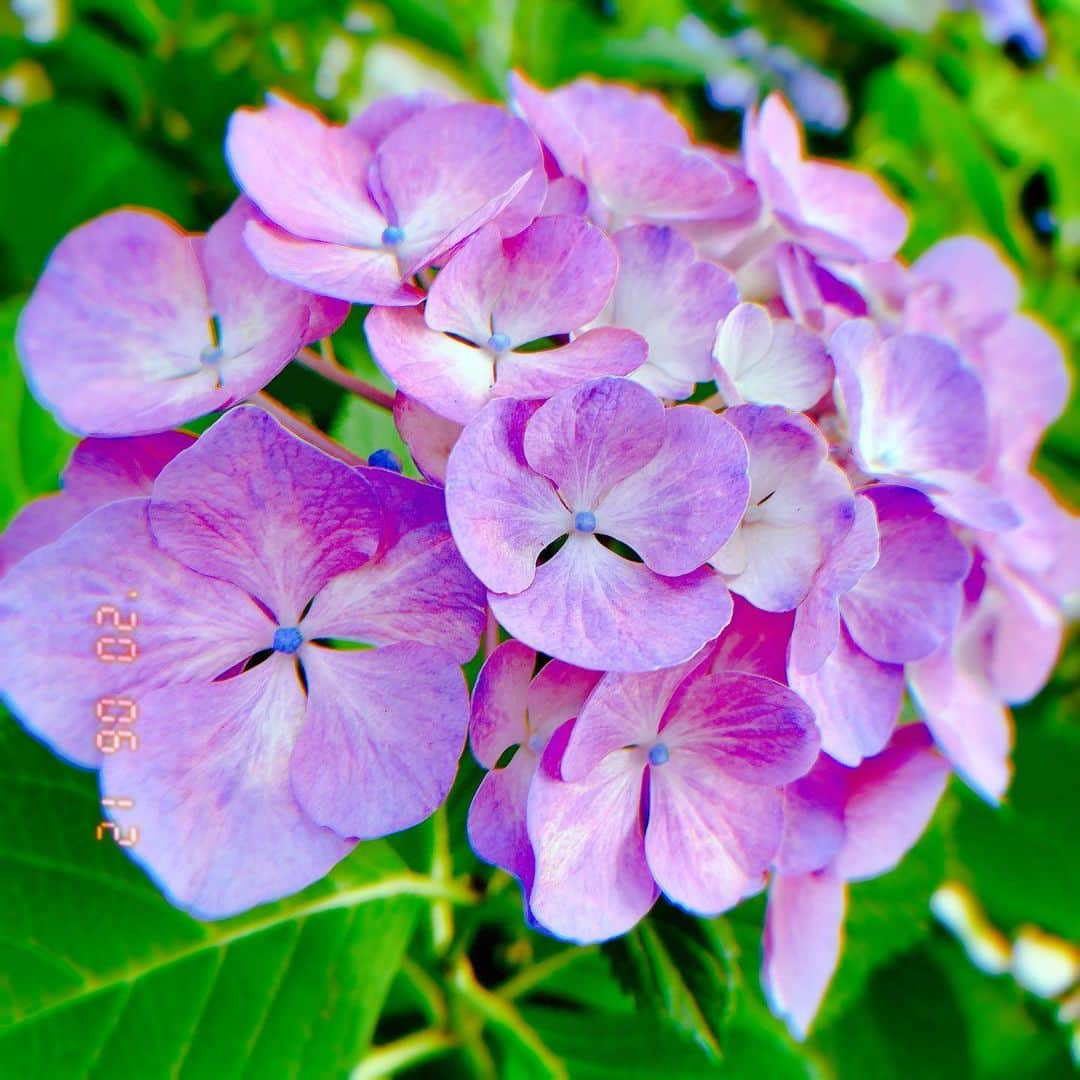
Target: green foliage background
x,y
99,976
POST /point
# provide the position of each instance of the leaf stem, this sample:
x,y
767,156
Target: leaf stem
x,y
442,914
308,432
330,369
427,990
501,1014
491,633
389,1059
536,974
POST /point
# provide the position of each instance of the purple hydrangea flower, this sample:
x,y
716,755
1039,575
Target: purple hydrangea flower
x,y
634,157
918,415
136,326
963,291
491,298
99,471
357,218
888,593
833,211
800,503
673,300
840,825
512,707
429,436
251,544
604,459
668,780
767,361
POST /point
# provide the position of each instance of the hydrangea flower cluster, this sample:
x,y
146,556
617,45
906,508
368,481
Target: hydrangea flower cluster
x,y
731,477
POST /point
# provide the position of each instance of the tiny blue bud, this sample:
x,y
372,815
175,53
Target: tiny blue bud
x,y
392,235
585,521
659,754
287,639
499,342
385,459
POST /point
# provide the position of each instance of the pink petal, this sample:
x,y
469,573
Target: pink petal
x,y
559,273
856,700
587,438
592,881
682,505
484,157
1025,398
891,798
253,308
218,826
63,603
254,505
305,174
755,642
594,354
981,286
360,275
117,320
385,115
803,930
418,590
556,695
99,471
768,361
658,182
440,372
464,295
968,722
914,405
590,607
623,710
813,819
750,728
817,618
429,437
501,512
674,301
710,838
500,702
380,744
799,503
496,823
908,602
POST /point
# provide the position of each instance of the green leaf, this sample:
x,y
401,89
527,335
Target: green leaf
x,y
674,966
105,978
66,163
595,1046
32,446
1020,859
909,1025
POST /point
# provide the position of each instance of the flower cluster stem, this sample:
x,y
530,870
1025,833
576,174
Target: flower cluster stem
x,y
388,1060
330,369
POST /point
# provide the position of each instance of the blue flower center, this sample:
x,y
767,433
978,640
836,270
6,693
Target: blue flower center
x,y
585,521
498,343
659,754
211,355
392,236
287,639
385,459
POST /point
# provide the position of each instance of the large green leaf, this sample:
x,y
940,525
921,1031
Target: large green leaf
x,y
104,978
675,966
32,447
64,164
